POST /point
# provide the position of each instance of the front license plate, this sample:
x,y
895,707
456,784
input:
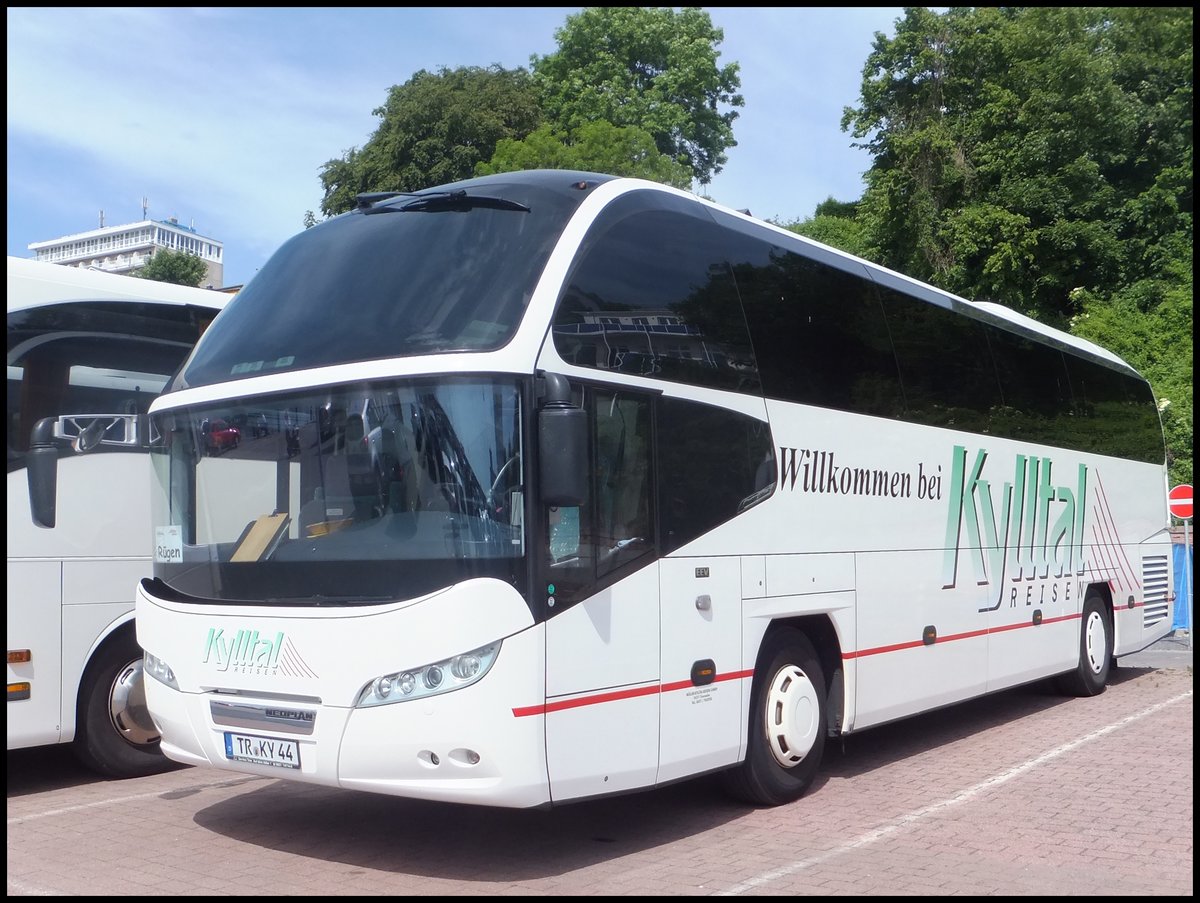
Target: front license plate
x,y
262,750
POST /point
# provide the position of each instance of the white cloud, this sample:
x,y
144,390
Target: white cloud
x,y
224,116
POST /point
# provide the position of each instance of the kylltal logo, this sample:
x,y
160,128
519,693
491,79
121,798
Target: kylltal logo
x,y
246,652
1027,529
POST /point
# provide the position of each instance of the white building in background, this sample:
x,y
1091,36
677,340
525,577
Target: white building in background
x,y
121,249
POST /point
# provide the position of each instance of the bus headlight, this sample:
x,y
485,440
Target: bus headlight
x,y
158,669
428,680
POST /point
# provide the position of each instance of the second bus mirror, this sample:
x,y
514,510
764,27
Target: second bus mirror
x,y
41,468
562,446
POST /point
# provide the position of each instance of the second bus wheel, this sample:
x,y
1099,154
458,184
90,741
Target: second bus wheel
x,y
787,723
115,735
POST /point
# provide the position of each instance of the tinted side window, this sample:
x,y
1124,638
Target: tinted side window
x,y
621,526
1116,411
652,296
1035,391
818,330
712,464
945,366
589,546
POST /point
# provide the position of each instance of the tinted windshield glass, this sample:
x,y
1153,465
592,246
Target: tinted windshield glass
x,y
385,282
369,492
92,357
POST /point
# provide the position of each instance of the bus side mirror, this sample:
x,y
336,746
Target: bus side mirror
x,y
562,446
41,467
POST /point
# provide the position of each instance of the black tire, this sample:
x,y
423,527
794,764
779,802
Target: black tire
x,y
1090,676
114,735
788,723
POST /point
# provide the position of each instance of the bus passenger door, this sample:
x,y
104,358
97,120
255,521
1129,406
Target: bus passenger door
x,y
701,660
601,584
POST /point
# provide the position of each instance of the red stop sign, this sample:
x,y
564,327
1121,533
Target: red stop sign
x,y
1181,501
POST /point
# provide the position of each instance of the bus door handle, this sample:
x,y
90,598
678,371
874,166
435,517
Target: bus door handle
x,y
704,602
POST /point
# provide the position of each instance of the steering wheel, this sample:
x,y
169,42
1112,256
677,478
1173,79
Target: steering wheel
x,y
501,474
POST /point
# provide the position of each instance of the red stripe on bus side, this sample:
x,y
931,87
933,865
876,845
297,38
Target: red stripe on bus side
x,y
970,634
585,700
615,695
687,684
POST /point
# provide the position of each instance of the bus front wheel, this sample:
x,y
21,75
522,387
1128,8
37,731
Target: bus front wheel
x,y
114,735
1095,651
787,723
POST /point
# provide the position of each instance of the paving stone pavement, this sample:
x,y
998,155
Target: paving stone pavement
x,y
1023,793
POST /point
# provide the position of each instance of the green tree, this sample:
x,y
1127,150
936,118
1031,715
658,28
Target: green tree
x,y
834,223
1041,157
631,91
1149,324
1013,146
653,68
836,231
594,147
435,128
176,267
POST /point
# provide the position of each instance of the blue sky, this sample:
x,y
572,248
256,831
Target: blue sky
x,y
222,117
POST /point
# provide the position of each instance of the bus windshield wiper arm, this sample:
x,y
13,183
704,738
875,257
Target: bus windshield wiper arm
x,y
366,199
461,203
435,202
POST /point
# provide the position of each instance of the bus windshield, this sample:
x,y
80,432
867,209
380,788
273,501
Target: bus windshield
x,y
391,280
360,493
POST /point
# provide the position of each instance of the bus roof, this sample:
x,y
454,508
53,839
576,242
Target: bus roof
x,y
1015,316
33,284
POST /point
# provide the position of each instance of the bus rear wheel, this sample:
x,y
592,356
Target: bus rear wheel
x,y
787,723
1095,651
114,735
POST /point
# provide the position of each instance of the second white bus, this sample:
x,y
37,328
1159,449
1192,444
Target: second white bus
x,y
564,485
87,353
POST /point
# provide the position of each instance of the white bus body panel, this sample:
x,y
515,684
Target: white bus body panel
x,y
34,608
980,599
71,586
388,748
602,690
104,506
702,727
622,710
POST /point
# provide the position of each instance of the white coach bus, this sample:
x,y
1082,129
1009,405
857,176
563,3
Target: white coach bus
x,y
87,352
564,485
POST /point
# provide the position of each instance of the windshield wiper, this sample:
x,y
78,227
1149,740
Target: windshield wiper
x,y
366,199
457,201
460,201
